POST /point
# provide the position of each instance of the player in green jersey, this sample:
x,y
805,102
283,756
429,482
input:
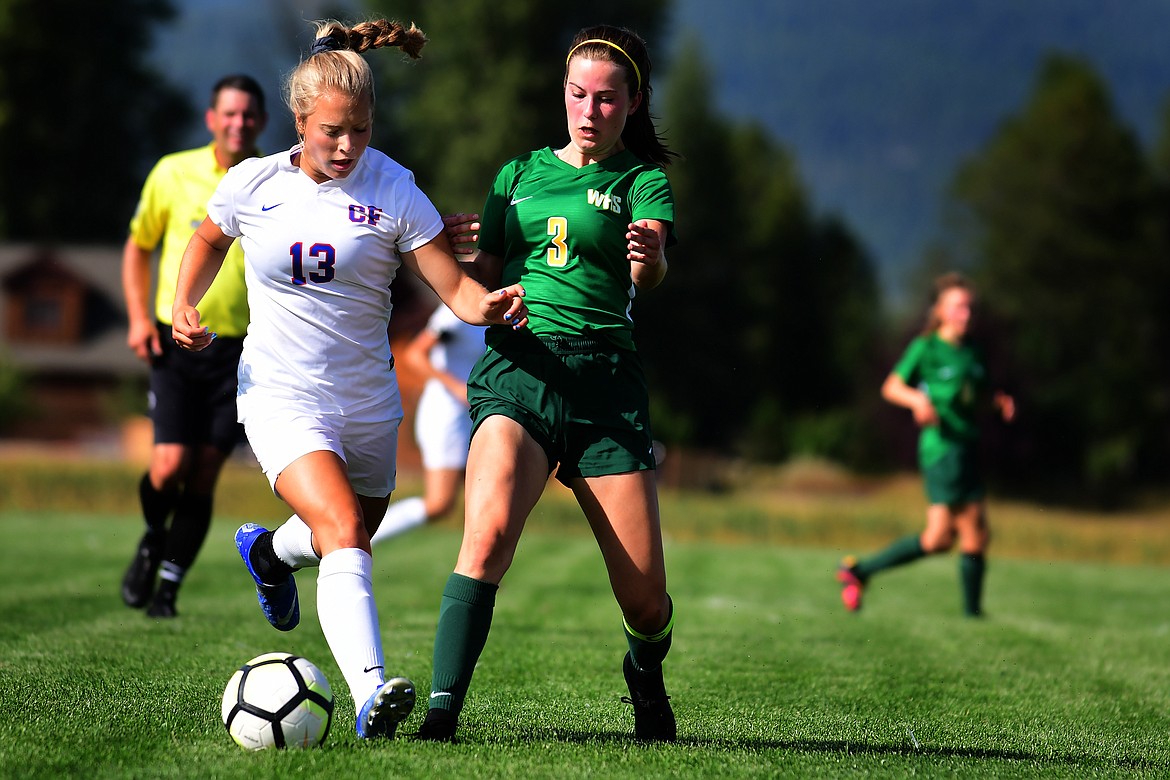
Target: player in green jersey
x,y
585,227
941,379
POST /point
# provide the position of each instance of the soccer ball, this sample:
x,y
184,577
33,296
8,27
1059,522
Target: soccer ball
x,y
277,700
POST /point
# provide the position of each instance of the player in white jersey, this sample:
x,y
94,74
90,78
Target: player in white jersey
x,y
319,260
444,352
324,227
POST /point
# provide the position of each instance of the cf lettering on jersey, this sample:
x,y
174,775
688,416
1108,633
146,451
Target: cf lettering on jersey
x,y
367,214
604,200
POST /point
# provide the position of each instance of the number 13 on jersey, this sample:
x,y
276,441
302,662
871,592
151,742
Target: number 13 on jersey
x,y
324,254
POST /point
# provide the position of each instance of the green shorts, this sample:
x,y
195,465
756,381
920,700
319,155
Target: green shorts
x,y
583,401
954,479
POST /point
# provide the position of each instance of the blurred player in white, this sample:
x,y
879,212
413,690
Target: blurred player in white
x,y
325,226
444,352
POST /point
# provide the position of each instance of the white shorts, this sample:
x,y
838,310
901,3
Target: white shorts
x,y
442,428
280,432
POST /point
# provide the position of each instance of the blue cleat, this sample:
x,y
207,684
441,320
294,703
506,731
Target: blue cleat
x,y
279,602
385,709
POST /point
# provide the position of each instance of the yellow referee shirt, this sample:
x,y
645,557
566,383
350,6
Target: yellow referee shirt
x,y
173,203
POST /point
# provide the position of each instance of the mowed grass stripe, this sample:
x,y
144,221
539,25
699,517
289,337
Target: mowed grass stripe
x,y
1067,676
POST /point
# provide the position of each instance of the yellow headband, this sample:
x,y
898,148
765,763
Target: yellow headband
x,y
637,72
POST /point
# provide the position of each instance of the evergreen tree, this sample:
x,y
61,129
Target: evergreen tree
x,y
488,86
1064,229
757,286
80,137
763,330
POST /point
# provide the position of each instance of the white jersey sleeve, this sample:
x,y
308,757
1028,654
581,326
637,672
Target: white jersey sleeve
x,y
458,345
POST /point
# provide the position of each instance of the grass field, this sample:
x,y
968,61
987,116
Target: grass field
x,y
1066,677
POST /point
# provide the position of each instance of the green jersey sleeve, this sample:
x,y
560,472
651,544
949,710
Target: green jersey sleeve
x,y
652,198
909,366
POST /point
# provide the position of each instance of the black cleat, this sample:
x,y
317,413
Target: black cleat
x,y
163,604
653,717
438,726
162,608
138,582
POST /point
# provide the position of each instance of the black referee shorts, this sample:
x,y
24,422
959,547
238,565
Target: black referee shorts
x,y
193,394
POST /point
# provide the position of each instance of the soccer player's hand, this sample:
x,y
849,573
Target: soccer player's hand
x,y
506,307
1006,406
644,243
142,338
186,330
924,412
462,230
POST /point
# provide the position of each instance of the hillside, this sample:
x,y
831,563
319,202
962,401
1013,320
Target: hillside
x,y
881,101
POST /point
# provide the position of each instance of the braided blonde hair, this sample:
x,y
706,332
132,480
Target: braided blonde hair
x,y
336,63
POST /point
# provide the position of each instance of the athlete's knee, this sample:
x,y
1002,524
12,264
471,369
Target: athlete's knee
x,y
975,542
647,613
438,508
168,469
341,530
486,553
206,466
937,541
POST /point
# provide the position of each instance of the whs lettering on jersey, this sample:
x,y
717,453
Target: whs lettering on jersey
x,y
604,200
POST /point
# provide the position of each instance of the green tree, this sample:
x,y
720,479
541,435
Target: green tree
x,y
81,115
762,329
1160,156
1064,229
488,86
754,274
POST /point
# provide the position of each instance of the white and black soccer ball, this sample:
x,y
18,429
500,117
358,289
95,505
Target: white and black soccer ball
x,y
278,700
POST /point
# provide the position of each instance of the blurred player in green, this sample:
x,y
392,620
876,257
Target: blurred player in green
x,y
585,225
192,395
942,380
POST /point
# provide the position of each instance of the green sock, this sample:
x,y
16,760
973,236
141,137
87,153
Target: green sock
x,y
904,550
647,651
971,569
465,617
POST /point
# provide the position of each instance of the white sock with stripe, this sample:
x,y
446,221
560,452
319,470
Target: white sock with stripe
x,y
349,620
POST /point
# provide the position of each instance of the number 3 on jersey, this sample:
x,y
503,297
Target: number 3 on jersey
x,y
558,253
326,257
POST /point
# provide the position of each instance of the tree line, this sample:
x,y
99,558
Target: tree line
x,y
769,338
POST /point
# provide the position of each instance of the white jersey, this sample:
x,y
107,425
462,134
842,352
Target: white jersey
x,y
319,260
458,344
442,424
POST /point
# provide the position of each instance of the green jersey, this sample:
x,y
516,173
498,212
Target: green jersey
x,y
561,232
953,376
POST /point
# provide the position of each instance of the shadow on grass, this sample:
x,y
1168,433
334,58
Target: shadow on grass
x,y
845,747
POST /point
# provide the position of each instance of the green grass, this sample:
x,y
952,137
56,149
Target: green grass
x,y
1067,677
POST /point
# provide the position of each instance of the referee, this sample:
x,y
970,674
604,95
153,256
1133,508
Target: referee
x,y
192,394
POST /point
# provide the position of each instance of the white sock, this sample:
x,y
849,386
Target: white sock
x,y
293,544
171,571
401,516
349,620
